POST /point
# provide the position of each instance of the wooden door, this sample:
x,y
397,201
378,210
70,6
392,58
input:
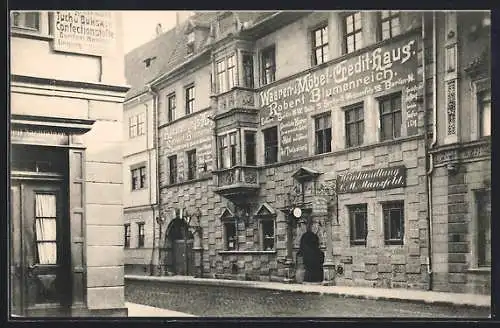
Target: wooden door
x,y
41,254
183,257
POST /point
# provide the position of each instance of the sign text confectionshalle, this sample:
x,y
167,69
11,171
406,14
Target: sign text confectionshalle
x,y
391,66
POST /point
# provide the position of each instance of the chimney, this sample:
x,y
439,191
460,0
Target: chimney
x,y
159,29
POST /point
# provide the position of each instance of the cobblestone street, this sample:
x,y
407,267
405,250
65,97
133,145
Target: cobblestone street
x,y
212,301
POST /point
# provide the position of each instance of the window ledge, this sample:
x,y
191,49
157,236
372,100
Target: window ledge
x,y
32,34
480,270
246,252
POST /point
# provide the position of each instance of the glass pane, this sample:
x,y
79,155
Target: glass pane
x,y
319,56
385,14
357,21
319,142
387,127
397,124
359,113
396,224
45,205
46,229
328,140
47,253
395,27
349,24
350,43
359,40
325,53
317,38
486,119
361,129
353,135
387,228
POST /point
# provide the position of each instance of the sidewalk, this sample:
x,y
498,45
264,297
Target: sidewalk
x,y
138,310
418,296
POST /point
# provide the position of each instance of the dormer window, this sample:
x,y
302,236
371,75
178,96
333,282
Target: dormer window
x,y
190,43
148,61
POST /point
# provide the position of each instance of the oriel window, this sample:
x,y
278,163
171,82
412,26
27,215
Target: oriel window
x,y
231,71
232,148
323,133
358,224
320,45
271,145
268,65
354,125
171,103
390,117
172,164
250,148
389,24
221,76
393,223
191,157
189,99
222,151
353,32
248,70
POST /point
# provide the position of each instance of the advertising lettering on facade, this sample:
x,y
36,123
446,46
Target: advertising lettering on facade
x,y
376,179
84,32
193,133
38,137
392,66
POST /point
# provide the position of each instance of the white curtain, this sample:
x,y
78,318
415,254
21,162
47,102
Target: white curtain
x,y
46,228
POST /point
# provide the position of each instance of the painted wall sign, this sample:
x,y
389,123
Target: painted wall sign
x,y
193,133
34,136
84,32
376,179
390,67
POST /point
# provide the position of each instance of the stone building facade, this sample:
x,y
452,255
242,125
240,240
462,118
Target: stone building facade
x,y
298,149
67,86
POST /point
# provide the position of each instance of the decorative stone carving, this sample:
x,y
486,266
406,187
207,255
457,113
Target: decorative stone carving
x,y
451,107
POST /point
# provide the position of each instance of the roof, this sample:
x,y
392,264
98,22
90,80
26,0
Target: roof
x,y
170,49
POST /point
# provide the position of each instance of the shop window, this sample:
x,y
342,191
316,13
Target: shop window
x,y
248,70
320,45
191,160
140,234
484,105
26,20
354,125
393,223
171,103
390,117
172,164
230,235
268,65
223,151
46,228
323,133
138,178
231,71
221,76
389,24
127,235
359,224
353,32
250,148
267,233
270,145
483,245
189,99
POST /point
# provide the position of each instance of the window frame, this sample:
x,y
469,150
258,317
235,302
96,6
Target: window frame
x,y
220,76
268,52
141,235
138,177
480,105
141,123
391,97
263,238
191,164
390,207
273,147
189,102
232,80
233,148
353,210
358,123
132,126
392,15
171,106
23,18
126,235
246,147
324,45
227,238
327,146
479,245
222,147
172,173
248,69
353,33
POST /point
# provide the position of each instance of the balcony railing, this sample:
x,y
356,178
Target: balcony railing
x,y
237,179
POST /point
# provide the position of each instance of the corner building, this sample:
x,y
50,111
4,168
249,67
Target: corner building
x,y
292,147
67,86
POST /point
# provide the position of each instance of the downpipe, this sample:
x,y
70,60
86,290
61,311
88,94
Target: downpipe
x,y
430,147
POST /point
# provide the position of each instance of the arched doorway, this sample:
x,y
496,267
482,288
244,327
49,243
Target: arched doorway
x,y
180,257
312,257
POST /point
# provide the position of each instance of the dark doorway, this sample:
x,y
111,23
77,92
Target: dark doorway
x,y
180,257
312,256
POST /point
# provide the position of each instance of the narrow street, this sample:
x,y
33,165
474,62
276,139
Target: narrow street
x,y
213,301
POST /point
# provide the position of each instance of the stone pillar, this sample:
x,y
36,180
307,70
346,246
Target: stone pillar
x,y
329,266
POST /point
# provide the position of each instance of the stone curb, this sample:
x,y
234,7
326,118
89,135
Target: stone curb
x,y
484,301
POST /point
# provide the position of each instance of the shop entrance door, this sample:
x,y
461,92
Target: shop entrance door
x,y
40,280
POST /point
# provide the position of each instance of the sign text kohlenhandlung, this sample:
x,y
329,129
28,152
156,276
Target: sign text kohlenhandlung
x,y
391,66
376,179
